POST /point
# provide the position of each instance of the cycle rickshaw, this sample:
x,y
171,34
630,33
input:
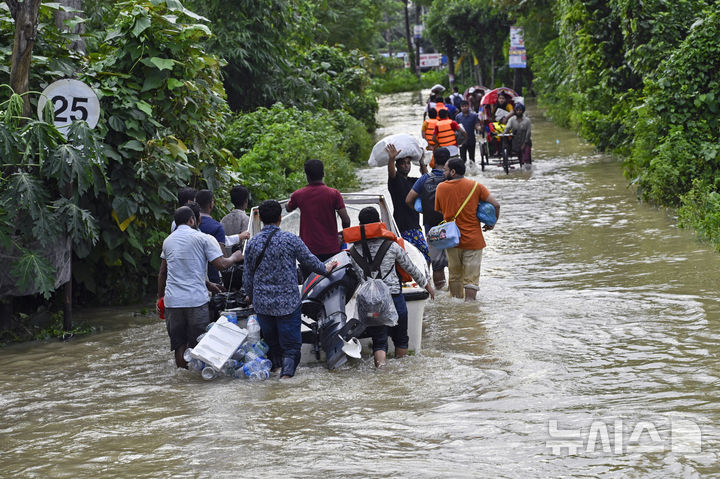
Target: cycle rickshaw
x,y
495,144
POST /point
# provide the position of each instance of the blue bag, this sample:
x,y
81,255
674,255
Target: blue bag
x,y
486,213
418,205
443,236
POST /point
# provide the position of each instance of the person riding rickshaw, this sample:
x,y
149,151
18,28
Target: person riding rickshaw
x,y
498,106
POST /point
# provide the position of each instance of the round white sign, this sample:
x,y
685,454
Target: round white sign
x,y
72,100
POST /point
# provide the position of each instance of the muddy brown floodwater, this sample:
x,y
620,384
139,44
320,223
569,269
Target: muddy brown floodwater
x,y
592,351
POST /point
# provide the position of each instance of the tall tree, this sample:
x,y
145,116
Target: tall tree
x,y
259,40
411,54
64,18
25,13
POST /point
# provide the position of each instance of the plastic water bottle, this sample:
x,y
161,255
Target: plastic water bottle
x,y
258,369
186,355
260,375
238,355
230,366
239,373
250,367
196,365
209,373
253,327
251,356
261,348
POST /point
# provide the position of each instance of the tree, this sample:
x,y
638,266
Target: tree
x,y
259,41
69,20
437,29
408,38
354,25
25,13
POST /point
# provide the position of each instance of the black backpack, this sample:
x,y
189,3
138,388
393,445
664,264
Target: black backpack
x,y
427,199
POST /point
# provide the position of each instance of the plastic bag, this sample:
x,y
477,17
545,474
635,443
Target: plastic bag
x,y
408,145
486,213
375,305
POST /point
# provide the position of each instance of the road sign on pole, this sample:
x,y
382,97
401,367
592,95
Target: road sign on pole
x,y
72,100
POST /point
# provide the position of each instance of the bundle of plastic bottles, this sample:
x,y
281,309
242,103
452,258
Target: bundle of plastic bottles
x,y
249,360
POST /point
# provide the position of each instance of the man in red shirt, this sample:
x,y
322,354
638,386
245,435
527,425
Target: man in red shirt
x,y
318,206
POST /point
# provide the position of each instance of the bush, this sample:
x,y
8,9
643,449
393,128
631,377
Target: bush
x,y
700,209
396,81
273,145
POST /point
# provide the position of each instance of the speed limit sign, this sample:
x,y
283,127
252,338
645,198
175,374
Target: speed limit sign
x,y
72,100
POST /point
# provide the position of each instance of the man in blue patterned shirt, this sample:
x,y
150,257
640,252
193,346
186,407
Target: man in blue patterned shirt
x,y
270,280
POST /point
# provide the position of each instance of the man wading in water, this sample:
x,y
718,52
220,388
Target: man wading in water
x,y
185,255
399,185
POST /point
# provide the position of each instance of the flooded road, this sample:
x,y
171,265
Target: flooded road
x,y
592,351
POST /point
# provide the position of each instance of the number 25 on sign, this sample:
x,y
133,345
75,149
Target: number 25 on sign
x,y
72,100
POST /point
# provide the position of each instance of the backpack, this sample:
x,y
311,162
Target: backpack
x,y
375,306
427,199
355,234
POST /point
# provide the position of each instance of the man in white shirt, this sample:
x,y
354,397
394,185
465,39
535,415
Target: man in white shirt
x,y
181,281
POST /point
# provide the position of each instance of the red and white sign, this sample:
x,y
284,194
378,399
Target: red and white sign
x,y
430,59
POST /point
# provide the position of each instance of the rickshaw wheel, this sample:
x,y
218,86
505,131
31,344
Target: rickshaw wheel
x,y
484,155
506,159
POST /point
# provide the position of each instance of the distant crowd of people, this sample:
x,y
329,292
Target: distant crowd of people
x,y
445,126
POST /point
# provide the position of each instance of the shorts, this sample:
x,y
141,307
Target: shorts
x,y
438,258
464,266
184,325
416,238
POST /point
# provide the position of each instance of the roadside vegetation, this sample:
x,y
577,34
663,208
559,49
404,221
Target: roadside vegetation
x,y
640,80
194,93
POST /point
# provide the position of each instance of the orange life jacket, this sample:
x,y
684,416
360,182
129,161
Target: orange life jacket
x,y
431,122
446,135
376,230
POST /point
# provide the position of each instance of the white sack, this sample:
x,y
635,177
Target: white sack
x,y
408,145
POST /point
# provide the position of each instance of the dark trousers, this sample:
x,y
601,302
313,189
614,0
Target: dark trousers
x,y
283,335
398,333
468,149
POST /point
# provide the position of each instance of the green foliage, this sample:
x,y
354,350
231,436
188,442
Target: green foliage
x,y
700,209
329,78
678,127
355,25
274,144
163,110
641,79
258,40
395,81
27,328
477,27
38,168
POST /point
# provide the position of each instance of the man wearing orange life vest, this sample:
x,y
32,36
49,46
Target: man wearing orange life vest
x,y
428,127
445,128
